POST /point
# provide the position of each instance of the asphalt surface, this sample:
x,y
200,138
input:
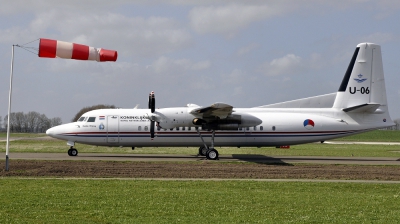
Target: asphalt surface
x,y
222,158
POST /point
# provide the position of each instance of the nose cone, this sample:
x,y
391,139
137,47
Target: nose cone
x,y
50,131
57,131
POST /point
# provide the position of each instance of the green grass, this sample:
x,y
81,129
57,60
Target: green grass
x,y
22,135
140,201
314,149
35,144
377,135
374,136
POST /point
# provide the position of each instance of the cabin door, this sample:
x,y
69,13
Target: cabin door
x,y
113,129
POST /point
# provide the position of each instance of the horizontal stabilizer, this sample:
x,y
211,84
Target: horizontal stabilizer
x,y
367,107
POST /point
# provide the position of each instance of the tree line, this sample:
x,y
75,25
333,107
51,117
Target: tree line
x,y
31,122
34,122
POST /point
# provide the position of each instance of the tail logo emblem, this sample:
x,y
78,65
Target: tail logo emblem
x,y
360,79
308,124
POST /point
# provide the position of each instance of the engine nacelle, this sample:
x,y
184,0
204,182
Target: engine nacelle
x,y
231,119
231,122
249,120
168,118
220,126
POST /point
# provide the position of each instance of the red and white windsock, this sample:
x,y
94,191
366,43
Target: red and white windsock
x,y
60,49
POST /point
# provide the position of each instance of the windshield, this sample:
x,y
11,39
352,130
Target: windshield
x,y
91,119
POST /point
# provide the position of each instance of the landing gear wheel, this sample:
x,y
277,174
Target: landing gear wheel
x,y
72,152
202,151
212,154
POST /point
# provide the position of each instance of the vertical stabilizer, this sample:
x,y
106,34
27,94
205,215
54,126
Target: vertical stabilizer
x,y
363,84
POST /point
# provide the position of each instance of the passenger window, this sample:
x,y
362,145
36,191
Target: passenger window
x,y
261,128
240,129
146,128
183,128
247,129
139,128
158,128
81,119
91,119
189,128
171,129
177,128
255,128
273,128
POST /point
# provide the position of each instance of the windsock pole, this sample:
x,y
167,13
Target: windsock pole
x,y
53,48
9,108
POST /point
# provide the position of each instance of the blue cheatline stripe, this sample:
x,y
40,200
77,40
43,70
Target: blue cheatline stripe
x,y
194,134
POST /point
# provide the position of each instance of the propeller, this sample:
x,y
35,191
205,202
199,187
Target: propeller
x,y
152,102
152,129
152,107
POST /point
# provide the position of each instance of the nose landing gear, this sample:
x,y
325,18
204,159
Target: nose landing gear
x,y
72,151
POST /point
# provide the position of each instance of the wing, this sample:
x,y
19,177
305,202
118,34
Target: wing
x,y
220,110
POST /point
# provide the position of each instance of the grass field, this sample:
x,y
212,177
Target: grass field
x,y
141,201
374,136
22,135
314,149
377,135
146,201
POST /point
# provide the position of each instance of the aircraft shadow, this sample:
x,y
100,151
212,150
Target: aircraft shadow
x,y
148,156
260,159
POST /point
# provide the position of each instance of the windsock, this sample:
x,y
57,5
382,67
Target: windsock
x,y
60,49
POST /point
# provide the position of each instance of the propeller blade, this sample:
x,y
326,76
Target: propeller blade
x,y
152,102
149,101
152,123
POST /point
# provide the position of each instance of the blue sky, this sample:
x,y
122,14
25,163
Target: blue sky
x,y
244,53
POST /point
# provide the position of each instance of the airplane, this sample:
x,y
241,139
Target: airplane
x,y
358,106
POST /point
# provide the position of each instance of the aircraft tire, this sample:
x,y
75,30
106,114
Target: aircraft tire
x,y
73,152
202,151
212,154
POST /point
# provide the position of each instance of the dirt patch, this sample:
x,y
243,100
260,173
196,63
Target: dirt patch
x,y
203,169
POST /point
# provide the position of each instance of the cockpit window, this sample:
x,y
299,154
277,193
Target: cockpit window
x,y
81,118
91,119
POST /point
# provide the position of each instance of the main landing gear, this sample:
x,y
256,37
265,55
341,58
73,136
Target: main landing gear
x,y
72,151
209,152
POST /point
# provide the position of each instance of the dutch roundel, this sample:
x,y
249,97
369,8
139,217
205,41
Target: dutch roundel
x,y
308,124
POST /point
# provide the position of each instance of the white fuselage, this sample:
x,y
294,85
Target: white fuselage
x,y
359,105
131,127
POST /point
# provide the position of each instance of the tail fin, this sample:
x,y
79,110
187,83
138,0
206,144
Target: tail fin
x,y
363,86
